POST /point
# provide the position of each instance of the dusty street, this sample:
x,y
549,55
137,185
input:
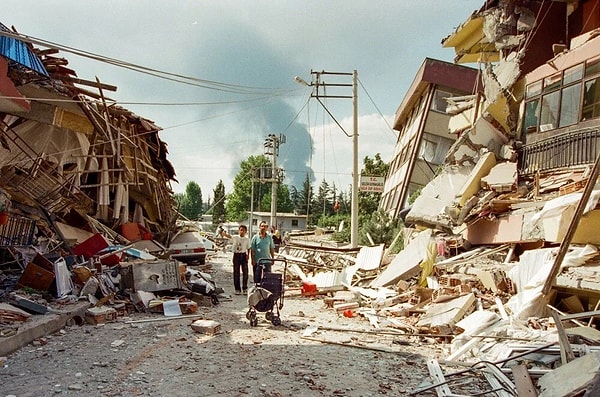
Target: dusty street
x,y
163,357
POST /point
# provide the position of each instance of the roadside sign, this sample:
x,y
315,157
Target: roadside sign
x,y
371,183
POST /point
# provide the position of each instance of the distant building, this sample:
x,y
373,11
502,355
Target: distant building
x,y
423,133
286,222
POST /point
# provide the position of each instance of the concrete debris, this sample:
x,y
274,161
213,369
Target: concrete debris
x,y
500,256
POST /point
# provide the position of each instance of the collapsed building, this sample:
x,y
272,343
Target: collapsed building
x,y
506,229
71,159
516,181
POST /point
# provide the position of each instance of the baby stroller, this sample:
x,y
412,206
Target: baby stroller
x,y
268,294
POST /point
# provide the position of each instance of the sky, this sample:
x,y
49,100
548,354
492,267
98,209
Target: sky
x,y
243,57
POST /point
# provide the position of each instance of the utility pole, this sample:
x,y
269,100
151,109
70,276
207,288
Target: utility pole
x,y
252,177
318,86
272,148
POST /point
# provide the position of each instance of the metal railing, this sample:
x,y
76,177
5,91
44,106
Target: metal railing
x,y
565,150
18,232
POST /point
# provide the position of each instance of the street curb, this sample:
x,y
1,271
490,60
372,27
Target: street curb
x,y
38,326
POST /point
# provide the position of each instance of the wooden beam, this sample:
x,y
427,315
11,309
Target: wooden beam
x,y
525,387
95,84
566,353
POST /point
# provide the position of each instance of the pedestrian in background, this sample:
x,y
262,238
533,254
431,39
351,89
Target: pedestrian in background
x,y
240,245
261,247
276,240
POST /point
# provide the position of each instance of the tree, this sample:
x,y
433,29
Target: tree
x,y
301,199
190,202
218,212
368,202
284,201
238,202
194,197
379,227
322,205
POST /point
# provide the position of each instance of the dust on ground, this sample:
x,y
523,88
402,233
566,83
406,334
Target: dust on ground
x,y
131,357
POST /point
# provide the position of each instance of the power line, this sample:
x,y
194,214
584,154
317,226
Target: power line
x,y
377,108
203,83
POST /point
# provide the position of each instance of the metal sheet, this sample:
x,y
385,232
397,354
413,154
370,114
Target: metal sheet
x,y
18,51
153,276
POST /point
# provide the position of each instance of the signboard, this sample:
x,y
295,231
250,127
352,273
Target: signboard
x,y
371,184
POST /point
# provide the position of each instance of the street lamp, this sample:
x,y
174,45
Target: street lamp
x,y
355,177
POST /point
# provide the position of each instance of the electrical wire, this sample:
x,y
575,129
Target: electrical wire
x,y
390,129
194,81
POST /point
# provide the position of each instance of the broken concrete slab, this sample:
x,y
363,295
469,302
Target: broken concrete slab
x,y
484,136
208,327
484,165
502,177
429,208
406,263
555,227
447,313
576,376
502,230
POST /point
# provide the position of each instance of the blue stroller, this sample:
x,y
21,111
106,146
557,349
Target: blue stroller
x,y
267,295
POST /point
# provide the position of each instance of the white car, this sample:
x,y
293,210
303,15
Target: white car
x,y
191,247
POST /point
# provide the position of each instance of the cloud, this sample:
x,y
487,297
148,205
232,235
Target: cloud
x,y
262,43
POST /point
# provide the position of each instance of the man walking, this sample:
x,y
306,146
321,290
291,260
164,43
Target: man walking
x,y
240,245
261,247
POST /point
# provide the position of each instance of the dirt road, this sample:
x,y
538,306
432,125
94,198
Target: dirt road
x,y
168,358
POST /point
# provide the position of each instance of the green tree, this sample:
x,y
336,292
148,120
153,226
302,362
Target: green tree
x,y
322,204
181,200
301,199
194,198
284,201
368,213
190,202
218,210
379,227
238,201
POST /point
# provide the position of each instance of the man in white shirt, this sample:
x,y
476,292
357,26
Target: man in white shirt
x,y
240,245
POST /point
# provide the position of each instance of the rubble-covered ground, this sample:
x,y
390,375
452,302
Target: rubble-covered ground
x,y
165,356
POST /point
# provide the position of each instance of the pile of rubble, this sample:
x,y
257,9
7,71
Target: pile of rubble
x,y
480,305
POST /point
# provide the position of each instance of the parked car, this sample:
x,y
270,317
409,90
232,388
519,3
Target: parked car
x,y
191,246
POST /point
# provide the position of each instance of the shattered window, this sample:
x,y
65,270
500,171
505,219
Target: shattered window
x,y
439,101
532,115
573,74
434,148
591,99
552,82
569,105
534,89
549,111
592,66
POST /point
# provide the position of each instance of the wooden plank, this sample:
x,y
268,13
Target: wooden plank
x,y
566,353
580,315
523,383
447,313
